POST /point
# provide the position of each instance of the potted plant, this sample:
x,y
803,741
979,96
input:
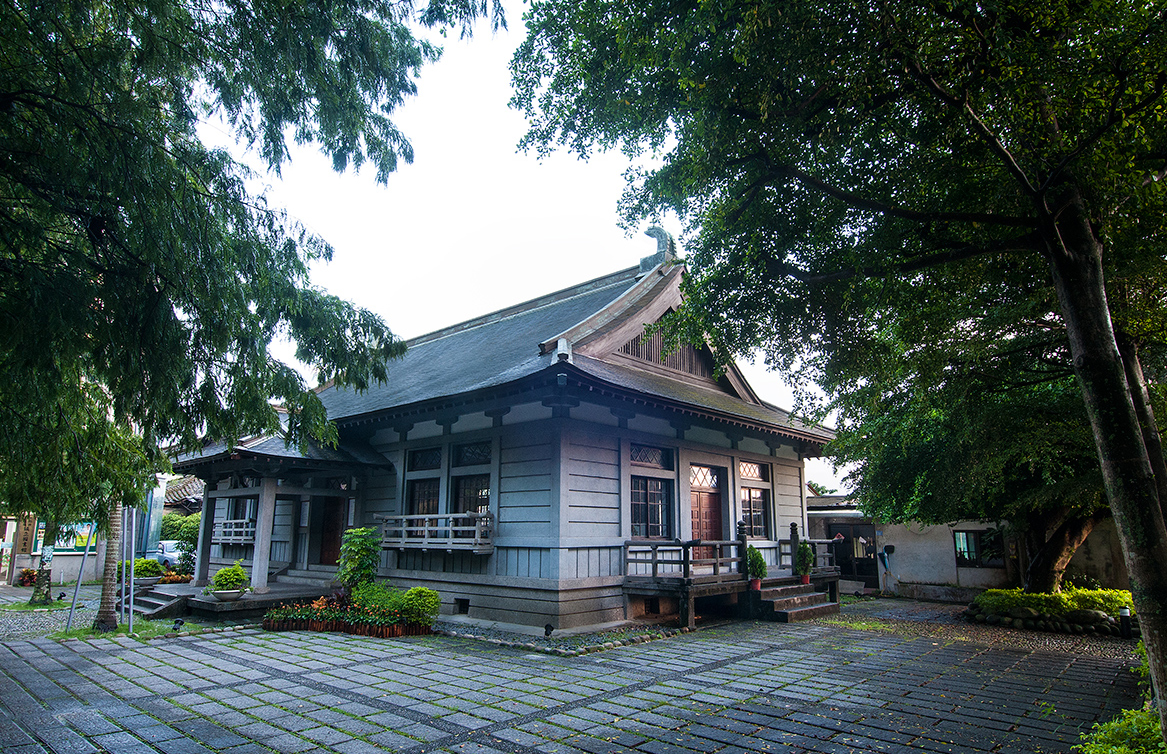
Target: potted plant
x,y
756,566
803,561
229,583
147,572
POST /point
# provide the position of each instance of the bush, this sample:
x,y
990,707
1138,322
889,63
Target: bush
x,y
755,563
804,559
229,578
1135,731
360,554
420,605
144,568
1107,600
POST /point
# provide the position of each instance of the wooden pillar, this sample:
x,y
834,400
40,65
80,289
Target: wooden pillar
x,y
261,554
206,531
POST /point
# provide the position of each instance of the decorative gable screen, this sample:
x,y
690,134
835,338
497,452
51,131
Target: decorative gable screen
x,y
686,358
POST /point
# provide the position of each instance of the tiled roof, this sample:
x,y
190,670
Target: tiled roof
x,y
184,488
491,350
504,346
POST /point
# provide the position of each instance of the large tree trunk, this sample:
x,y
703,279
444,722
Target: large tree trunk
x,y
1075,257
1142,400
42,590
1048,567
107,614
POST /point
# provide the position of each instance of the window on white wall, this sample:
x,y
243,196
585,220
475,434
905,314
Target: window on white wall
x,y
983,548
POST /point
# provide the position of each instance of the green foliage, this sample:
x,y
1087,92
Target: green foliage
x,y
371,604
420,605
1109,601
1143,669
136,253
819,489
755,563
144,568
1133,732
803,559
360,554
182,528
229,578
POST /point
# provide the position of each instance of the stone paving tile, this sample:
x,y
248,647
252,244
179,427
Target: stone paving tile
x,y
737,688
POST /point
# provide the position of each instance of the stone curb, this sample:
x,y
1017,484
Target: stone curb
x,y
578,652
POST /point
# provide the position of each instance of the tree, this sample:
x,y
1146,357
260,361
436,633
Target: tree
x,y
836,162
134,253
66,461
1022,456
128,246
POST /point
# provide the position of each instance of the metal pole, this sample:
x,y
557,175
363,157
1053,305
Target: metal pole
x,y
77,588
133,542
122,569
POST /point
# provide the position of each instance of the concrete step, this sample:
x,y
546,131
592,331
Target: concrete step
x,y
800,600
806,613
159,605
307,578
782,592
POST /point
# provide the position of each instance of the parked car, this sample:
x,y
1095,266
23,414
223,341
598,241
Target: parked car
x,y
168,553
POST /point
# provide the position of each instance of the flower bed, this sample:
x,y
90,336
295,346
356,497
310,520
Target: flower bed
x,y
372,610
1072,611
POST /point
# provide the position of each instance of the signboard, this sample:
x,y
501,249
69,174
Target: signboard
x,y
72,539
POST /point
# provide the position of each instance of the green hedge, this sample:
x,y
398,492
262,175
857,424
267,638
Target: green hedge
x,y
1107,600
1135,731
144,568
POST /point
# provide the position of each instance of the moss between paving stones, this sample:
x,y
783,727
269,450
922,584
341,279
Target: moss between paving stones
x,y
566,652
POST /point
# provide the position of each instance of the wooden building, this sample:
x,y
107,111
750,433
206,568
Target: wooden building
x,y
529,464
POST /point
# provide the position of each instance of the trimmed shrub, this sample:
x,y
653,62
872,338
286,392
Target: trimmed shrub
x,y
420,605
360,554
804,559
1004,600
144,568
229,578
755,563
1135,731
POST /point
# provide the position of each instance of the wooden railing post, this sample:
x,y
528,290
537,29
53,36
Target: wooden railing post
x,y
686,558
742,564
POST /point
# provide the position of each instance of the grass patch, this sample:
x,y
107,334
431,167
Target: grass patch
x,y
859,625
18,607
143,629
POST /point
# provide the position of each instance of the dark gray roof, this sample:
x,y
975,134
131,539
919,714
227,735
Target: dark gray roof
x,y
502,347
274,447
643,381
491,350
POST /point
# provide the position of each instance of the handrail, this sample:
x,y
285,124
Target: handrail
x,y
677,560
236,531
471,531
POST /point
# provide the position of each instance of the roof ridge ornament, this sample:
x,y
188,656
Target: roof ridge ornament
x,y
666,248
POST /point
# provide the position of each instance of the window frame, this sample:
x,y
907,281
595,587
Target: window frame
x,y
974,538
766,486
666,509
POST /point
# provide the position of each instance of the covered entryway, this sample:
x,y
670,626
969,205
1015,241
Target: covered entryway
x,y
855,554
705,497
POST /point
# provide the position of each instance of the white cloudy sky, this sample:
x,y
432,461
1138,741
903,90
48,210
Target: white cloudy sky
x,y
472,225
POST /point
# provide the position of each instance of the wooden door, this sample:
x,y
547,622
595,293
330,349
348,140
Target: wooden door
x,y
706,520
332,529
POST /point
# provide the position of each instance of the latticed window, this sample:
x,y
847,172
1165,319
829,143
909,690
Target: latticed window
x,y
472,454
702,477
657,458
755,512
471,493
754,471
423,496
652,507
425,459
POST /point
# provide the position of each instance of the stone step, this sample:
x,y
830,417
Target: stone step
x,y
306,578
800,600
781,592
806,613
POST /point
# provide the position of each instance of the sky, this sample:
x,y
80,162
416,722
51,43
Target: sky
x,y
472,225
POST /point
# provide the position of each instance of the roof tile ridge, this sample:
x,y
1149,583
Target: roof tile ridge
x,y
526,307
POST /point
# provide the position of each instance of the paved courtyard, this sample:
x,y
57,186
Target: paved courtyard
x,y
736,688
